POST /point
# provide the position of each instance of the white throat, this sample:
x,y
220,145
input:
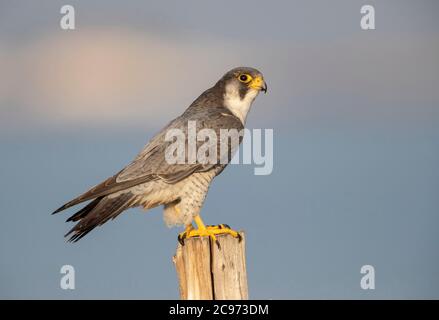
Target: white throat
x,y
239,107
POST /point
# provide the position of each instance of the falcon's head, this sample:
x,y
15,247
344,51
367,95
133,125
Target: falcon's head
x,y
245,79
239,87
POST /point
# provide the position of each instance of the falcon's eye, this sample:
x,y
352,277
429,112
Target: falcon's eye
x,y
245,78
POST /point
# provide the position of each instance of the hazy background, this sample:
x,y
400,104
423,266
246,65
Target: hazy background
x,y
356,142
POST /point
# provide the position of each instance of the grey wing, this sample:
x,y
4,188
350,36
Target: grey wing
x,y
151,164
152,161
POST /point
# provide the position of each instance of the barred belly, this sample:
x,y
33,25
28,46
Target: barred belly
x,y
191,193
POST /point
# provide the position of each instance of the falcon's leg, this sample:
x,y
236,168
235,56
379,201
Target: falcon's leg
x,y
209,231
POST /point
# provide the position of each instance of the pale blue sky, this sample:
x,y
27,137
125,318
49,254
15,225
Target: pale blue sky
x,y
356,142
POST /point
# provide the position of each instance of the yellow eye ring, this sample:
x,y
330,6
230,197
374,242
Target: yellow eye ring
x,y
245,78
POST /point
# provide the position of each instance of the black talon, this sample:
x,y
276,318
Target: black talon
x,y
226,226
239,238
181,239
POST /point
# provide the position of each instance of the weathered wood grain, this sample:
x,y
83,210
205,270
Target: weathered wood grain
x,y
206,272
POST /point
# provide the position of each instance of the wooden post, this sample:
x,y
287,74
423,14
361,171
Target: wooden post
x,y
208,273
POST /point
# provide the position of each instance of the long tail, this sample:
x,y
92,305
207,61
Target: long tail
x,y
97,213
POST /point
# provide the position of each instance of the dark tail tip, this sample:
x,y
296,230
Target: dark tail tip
x,y
59,209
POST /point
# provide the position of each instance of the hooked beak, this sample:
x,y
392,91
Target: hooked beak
x,y
259,83
264,87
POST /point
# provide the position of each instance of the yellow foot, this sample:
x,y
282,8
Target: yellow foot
x,y
224,229
208,231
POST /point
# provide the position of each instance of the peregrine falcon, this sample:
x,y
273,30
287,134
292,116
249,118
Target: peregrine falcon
x,y
150,181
